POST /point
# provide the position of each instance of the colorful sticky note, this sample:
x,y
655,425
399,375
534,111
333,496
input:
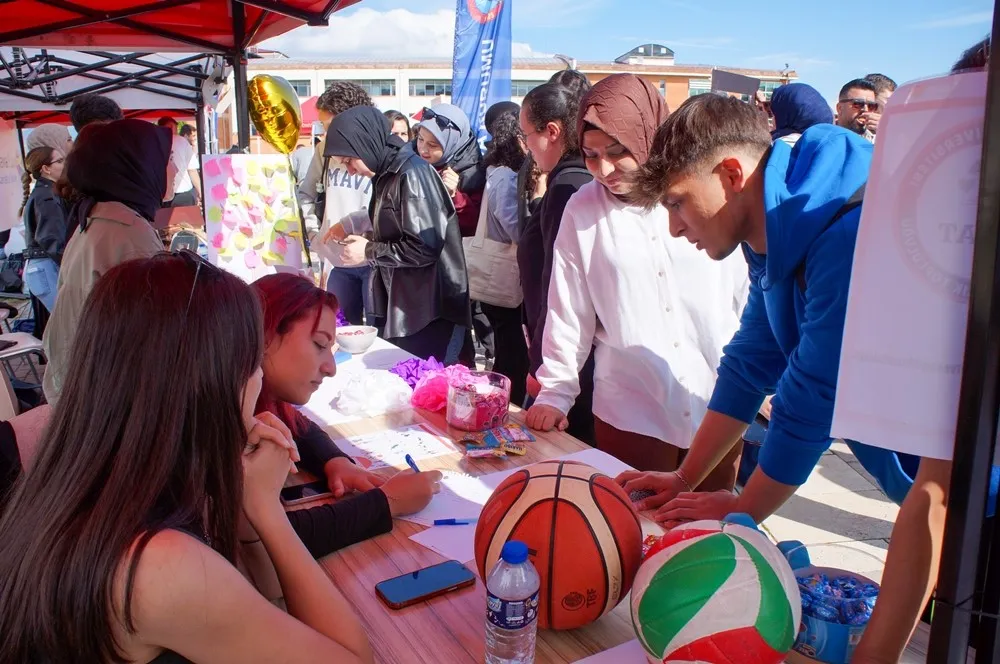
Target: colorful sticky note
x,y
231,216
212,169
219,193
246,230
214,214
280,245
218,241
239,241
239,173
271,258
257,242
251,259
253,167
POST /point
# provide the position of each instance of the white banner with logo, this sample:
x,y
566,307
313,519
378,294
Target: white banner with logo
x,y
11,188
904,337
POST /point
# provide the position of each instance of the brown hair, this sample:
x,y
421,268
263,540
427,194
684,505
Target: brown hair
x,y
696,131
33,163
147,436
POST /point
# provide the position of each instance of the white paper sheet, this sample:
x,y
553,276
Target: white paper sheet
x,y
627,653
463,497
450,542
389,448
904,335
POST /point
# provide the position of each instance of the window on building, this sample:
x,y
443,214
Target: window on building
x,y
663,88
375,87
768,88
302,88
521,88
699,86
429,87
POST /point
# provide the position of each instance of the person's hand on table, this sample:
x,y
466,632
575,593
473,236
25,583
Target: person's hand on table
x,y
269,455
352,252
410,492
533,386
691,506
666,487
344,476
546,418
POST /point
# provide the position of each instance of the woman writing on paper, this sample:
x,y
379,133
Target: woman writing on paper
x,y
419,283
300,325
657,310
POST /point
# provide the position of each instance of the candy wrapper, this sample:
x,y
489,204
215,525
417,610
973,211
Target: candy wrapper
x,y
844,599
501,441
648,543
373,393
431,390
413,370
481,402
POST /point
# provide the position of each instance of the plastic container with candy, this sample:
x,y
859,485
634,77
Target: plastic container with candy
x,y
836,603
480,402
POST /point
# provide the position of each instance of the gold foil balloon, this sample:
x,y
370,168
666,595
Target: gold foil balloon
x,y
275,111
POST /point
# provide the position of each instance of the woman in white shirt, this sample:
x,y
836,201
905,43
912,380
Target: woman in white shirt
x,y
658,310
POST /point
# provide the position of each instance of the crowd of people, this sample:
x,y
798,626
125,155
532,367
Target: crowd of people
x,y
144,520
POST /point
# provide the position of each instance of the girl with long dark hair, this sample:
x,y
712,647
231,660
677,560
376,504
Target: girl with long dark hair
x,y
548,122
420,287
118,174
400,125
120,543
300,326
44,215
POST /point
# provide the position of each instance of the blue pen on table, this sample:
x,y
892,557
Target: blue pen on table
x,y
454,522
411,463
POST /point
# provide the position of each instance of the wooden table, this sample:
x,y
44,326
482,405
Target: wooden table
x,y
449,629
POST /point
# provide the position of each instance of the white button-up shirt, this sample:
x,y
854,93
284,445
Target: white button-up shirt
x,y
658,310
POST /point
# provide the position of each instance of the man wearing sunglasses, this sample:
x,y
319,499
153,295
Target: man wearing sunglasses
x,y
856,100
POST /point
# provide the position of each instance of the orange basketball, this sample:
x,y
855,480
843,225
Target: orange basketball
x,y
582,533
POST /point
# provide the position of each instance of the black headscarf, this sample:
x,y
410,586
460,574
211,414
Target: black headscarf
x,y
124,162
364,133
498,109
797,107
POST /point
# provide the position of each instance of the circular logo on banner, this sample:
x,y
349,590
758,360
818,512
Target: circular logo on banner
x,y
938,247
484,11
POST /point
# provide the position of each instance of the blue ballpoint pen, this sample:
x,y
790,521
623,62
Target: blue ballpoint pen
x,y
411,463
454,522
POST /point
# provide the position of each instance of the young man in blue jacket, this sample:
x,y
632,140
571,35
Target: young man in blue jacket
x,y
794,212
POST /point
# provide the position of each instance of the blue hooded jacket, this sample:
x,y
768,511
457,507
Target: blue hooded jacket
x,y
796,107
789,341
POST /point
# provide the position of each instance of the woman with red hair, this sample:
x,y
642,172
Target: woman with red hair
x,y
300,326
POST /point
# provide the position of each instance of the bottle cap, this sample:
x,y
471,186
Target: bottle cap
x,y
514,552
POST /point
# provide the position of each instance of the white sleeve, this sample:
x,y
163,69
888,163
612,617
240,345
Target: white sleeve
x,y
570,324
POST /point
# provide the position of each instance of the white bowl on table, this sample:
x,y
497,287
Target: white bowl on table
x,y
356,339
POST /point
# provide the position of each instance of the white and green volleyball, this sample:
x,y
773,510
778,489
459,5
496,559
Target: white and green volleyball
x,y
715,593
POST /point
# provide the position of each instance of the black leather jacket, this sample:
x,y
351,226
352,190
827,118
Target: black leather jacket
x,y
44,223
416,250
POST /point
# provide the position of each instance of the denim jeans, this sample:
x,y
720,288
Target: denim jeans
x,y
350,285
41,276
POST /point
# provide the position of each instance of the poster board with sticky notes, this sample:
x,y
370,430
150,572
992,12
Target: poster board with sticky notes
x,y
251,214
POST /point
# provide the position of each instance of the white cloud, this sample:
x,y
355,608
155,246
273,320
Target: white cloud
x,y
954,21
367,33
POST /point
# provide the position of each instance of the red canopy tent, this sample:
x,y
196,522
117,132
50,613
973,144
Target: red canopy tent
x,y
228,27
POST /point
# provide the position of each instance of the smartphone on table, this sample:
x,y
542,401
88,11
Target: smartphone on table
x,y
423,584
304,493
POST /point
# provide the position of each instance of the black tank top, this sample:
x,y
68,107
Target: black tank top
x,y
170,657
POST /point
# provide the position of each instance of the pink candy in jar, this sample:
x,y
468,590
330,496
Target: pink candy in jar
x,y
479,401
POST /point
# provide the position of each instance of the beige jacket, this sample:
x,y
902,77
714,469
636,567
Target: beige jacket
x,y
115,234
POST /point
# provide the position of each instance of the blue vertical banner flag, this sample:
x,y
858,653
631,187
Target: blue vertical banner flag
x,y
481,66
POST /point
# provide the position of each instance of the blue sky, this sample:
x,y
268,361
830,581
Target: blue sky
x,y
825,43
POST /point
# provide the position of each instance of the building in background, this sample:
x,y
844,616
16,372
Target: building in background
x,y
409,85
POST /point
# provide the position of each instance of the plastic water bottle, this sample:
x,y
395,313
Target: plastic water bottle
x,y
512,607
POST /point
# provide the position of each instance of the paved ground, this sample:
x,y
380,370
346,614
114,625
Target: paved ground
x,y
840,514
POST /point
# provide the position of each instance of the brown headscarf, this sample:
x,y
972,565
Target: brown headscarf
x,y
626,108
